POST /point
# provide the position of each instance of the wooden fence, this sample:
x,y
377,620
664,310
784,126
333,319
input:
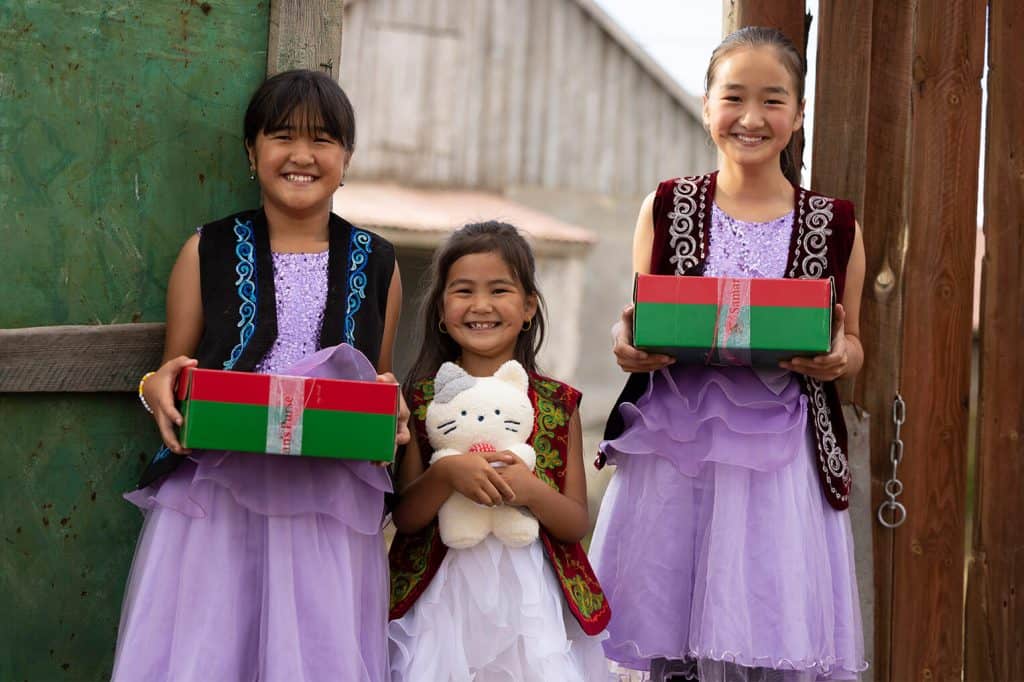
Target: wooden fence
x,y
898,119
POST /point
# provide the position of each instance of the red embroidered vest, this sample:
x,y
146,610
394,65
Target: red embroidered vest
x,y
415,558
819,248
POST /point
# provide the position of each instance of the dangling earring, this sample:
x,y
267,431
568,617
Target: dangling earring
x,y
527,325
441,326
252,173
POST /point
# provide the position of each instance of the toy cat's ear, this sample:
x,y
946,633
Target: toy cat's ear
x,y
450,381
513,373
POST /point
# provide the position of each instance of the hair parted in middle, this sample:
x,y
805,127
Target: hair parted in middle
x,y
789,57
492,236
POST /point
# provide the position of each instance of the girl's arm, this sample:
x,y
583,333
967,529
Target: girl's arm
x,y
392,313
184,329
422,492
631,359
847,354
564,515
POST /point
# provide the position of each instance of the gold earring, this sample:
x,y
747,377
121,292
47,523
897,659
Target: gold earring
x,y
527,325
441,326
252,172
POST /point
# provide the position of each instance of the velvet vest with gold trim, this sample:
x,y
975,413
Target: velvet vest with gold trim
x,y
820,247
236,273
415,558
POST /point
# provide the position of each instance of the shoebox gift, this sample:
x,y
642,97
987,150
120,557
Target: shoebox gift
x,y
732,321
287,415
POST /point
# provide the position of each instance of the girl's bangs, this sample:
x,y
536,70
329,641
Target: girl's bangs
x,y
305,110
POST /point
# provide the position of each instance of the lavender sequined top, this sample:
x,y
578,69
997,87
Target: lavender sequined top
x,y
300,287
739,248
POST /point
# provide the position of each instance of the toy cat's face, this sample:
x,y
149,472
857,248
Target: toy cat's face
x,y
479,413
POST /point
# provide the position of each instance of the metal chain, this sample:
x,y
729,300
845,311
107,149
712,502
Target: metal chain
x,y
891,513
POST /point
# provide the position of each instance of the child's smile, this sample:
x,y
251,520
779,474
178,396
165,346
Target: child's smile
x,y
751,110
298,170
485,308
299,178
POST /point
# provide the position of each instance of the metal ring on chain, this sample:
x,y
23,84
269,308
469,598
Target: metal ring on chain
x,y
894,488
899,514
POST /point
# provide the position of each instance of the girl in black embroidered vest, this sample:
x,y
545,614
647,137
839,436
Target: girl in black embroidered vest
x,y
490,611
720,543
252,566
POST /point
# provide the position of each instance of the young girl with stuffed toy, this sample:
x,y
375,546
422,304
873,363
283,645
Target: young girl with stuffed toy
x,y
722,541
498,605
259,567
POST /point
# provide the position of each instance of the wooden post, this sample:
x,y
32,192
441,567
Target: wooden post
x,y
78,358
305,34
839,170
884,221
841,99
994,637
928,565
789,16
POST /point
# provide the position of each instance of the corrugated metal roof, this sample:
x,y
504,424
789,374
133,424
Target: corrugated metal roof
x,y
413,216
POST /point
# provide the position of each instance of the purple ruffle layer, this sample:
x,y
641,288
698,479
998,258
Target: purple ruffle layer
x,y
714,540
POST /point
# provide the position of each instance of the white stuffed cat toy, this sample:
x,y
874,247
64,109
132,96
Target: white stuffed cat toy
x,y
482,414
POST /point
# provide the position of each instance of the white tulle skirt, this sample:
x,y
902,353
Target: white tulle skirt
x,y
493,614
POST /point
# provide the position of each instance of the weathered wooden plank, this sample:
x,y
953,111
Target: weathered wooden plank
x,y
571,114
556,65
841,124
475,88
841,112
357,78
884,220
78,358
666,160
514,116
590,124
785,15
496,81
539,39
994,620
949,43
305,34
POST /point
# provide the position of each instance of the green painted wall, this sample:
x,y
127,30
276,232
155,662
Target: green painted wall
x,y
120,130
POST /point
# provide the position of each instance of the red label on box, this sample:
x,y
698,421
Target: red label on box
x,y
791,293
246,388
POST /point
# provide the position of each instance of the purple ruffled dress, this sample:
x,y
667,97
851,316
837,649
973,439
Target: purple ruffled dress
x,y
256,567
718,552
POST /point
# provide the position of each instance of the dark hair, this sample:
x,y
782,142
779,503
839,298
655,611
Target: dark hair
x,y
792,60
312,100
502,239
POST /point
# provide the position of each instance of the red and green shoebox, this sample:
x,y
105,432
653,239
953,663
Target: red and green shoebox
x,y
732,321
287,415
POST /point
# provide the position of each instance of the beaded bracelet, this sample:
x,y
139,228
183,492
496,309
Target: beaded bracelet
x,y
142,398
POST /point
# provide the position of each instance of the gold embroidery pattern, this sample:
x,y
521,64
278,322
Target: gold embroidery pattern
x,y
403,581
583,596
550,416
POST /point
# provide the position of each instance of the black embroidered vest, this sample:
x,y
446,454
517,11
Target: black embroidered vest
x,y
820,248
239,302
